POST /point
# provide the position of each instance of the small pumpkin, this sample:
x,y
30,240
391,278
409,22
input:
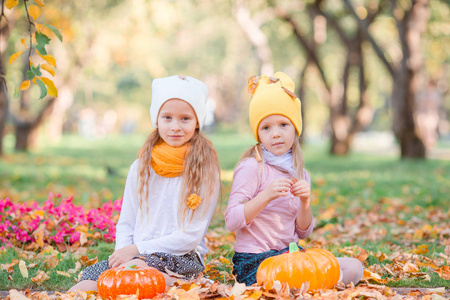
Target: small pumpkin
x,y
319,267
145,283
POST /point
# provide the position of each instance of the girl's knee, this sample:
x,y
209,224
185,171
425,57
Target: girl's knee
x,y
354,272
352,269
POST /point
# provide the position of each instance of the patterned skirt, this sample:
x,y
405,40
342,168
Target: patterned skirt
x,y
188,265
246,264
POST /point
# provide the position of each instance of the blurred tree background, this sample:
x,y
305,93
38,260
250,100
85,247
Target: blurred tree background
x,y
372,75
360,65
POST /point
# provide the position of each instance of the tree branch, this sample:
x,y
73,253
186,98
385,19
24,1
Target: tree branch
x,y
365,29
332,21
37,120
309,48
29,30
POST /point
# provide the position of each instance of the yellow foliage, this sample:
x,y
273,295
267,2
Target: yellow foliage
x,y
49,59
48,68
25,85
43,29
38,27
23,43
34,11
15,56
40,2
51,89
11,3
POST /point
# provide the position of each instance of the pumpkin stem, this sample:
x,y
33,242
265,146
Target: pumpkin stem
x,y
293,247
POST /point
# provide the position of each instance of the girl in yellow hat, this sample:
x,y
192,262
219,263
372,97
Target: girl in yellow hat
x,y
269,205
171,189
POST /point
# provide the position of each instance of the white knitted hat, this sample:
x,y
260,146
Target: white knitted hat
x,y
186,88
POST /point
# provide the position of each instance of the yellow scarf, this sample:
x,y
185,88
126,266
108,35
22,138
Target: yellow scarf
x,y
168,161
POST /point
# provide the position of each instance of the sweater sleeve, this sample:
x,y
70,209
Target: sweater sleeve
x,y
303,234
244,188
184,239
130,207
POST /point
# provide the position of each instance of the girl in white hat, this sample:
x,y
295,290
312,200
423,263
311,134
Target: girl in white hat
x,y
171,190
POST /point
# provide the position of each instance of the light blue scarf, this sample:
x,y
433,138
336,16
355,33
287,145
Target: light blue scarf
x,y
282,163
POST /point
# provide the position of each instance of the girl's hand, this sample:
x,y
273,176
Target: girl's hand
x,y
278,188
122,256
302,190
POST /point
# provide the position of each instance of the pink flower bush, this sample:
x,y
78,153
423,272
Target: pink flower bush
x,y
63,223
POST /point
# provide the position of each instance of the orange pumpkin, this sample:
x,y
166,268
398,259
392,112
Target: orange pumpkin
x,y
317,266
133,280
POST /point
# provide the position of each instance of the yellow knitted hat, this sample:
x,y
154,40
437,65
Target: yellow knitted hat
x,y
273,96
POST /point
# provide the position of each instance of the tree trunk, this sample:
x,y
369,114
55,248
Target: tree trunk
x,y
344,123
301,96
4,36
406,74
26,130
411,146
407,79
25,136
3,104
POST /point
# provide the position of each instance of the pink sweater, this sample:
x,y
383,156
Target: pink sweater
x,y
275,227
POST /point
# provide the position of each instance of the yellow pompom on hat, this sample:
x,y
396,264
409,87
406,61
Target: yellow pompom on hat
x,y
273,96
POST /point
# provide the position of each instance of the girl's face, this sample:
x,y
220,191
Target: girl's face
x,y
176,122
277,134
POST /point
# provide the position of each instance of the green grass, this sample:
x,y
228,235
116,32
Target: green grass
x,y
56,282
407,189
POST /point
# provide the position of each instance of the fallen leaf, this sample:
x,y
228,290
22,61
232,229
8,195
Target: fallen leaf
x,y
88,262
410,268
16,295
444,272
23,269
83,238
284,291
363,255
213,287
8,267
39,235
40,277
421,249
173,274
77,268
256,295
63,273
50,262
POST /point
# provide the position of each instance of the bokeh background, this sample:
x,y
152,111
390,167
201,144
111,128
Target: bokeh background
x,y
373,77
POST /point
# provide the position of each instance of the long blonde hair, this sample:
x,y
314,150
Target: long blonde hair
x,y
297,156
201,174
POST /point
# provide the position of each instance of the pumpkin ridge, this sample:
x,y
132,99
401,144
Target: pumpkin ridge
x,y
319,267
143,282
